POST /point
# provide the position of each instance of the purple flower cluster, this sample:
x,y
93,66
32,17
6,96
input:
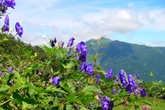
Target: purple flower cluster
x,y
19,29
55,80
106,104
130,85
97,78
86,68
122,77
109,74
10,69
53,42
82,50
5,4
6,24
71,41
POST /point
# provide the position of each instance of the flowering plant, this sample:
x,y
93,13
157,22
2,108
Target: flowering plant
x,y
74,85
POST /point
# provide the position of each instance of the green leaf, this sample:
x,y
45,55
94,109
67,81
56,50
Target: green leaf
x,y
5,39
56,100
17,98
98,67
101,54
47,49
26,105
71,97
21,80
69,65
104,45
68,107
28,53
83,108
54,89
89,89
3,89
151,74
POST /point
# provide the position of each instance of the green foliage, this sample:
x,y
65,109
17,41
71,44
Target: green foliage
x,y
130,57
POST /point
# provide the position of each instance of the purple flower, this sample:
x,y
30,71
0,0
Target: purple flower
x,y
76,66
143,92
136,92
19,29
37,71
99,95
79,84
62,44
4,74
82,50
55,40
105,103
52,43
113,91
55,80
10,69
119,91
0,73
111,106
90,105
89,69
137,75
6,25
109,74
97,78
44,84
131,81
10,3
122,77
70,43
47,74
83,67
11,82
23,93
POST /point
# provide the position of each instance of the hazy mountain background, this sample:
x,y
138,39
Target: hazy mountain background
x,y
132,58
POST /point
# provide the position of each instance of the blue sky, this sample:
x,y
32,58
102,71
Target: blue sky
x,y
133,21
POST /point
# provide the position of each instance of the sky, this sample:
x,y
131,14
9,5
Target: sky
x,y
133,21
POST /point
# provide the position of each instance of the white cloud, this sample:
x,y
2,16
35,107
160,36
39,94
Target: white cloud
x,y
155,43
131,5
36,14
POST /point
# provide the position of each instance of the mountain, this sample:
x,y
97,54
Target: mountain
x,y
132,58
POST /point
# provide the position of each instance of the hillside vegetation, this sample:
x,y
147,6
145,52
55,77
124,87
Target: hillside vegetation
x,y
132,58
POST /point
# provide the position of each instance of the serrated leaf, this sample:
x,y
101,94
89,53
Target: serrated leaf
x,y
71,97
21,80
89,89
47,49
28,53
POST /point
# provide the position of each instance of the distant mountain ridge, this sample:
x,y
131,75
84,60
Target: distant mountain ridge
x,y
133,58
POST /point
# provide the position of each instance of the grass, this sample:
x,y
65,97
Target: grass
x,y
157,104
